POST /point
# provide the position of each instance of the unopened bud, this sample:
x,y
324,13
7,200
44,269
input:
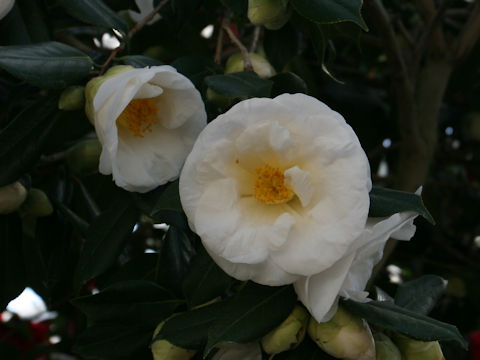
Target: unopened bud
x,y
37,204
94,84
289,334
11,197
72,98
345,336
260,65
83,157
165,350
273,14
385,348
418,350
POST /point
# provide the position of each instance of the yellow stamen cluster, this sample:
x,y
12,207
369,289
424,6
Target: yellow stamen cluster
x,y
270,186
139,116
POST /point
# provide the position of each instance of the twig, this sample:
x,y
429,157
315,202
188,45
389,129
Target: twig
x,y
256,37
246,56
110,58
219,47
146,19
469,34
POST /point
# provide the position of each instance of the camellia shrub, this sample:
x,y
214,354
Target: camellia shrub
x,y
175,186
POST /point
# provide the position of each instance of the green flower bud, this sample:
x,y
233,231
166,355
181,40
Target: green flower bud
x,y
37,204
164,350
94,84
418,350
72,98
11,197
84,156
273,14
345,336
385,348
260,65
289,334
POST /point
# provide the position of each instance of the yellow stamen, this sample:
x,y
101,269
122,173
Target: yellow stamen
x,y
139,116
270,186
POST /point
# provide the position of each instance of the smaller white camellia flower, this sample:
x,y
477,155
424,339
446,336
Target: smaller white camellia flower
x,y
278,191
5,7
145,7
147,121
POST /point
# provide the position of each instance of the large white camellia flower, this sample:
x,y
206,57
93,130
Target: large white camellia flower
x,y
5,7
147,121
278,191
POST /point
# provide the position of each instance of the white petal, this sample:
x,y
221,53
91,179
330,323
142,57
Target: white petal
x,y
319,292
250,351
5,7
301,183
148,91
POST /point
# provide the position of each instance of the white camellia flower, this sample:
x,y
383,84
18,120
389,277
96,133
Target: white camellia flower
x,y
5,7
147,121
145,7
278,191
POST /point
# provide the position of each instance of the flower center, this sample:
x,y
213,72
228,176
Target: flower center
x,y
270,186
139,116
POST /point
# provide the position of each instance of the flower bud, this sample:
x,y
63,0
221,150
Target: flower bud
x,y
260,65
164,350
11,197
72,98
289,334
83,157
418,350
273,14
94,84
345,336
385,348
37,204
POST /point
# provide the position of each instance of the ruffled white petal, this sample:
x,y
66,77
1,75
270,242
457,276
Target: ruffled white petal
x,y
145,7
301,183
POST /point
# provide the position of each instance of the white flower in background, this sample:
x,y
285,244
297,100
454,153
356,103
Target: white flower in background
x,y
145,7
278,191
147,121
233,351
5,7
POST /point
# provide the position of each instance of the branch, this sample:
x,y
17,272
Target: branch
x,y
146,19
469,35
246,56
219,47
256,37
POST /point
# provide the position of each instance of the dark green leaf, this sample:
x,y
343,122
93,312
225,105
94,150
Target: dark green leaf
x,y
288,83
112,341
77,222
204,280
196,68
189,330
92,207
94,12
13,29
12,271
420,295
131,302
250,314
393,317
281,46
169,200
381,295
105,238
176,254
24,138
307,350
34,17
386,202
331,11
240,84
46,65
140,61
321,44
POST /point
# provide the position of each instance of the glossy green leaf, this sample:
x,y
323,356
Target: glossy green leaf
x,y
240,84
250,314
307,350
189,330
204,280
77,222
289,83
112,341
386,202
33,13
420,295
105,239
25,135
94,12
331,11
169,200
12,271
46,65
140,61
281,46
416,326
196,68
133,302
